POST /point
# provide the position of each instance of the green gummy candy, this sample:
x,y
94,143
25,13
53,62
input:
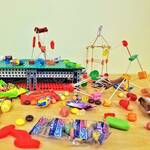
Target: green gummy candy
x,y
118,123
94,74
84,84
133,57
13,93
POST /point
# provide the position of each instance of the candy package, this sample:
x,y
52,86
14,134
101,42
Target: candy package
x,y
78,131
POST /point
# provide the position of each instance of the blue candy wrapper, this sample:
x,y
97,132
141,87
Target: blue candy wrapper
x,y
79,131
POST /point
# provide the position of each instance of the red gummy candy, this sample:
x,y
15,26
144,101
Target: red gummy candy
x,y
124,43
52,44
109,115
124,103
21,134
27,143
132,96
5,131
85,76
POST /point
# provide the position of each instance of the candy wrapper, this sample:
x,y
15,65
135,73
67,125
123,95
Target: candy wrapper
x,y
78,131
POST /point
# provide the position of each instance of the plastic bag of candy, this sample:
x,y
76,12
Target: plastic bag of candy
x,y
78,131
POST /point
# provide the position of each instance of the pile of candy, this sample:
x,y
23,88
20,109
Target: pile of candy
x,y
79,131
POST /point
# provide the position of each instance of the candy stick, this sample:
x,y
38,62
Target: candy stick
x,y
87,56
128,51
33,45
92,59
139,64
82,93
104,40
139,87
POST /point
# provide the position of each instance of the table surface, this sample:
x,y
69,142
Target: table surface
x,y
137,138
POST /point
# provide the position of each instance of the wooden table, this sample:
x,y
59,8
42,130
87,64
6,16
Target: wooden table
x,y
137,138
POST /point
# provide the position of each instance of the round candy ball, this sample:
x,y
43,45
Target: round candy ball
x,y
124,43
121,95
29,118
20,122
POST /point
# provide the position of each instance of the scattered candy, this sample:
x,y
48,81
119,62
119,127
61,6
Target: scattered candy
x,y
121,95
74,97
85,76
6,106
131,96
66,93
84,99
29,118
98,102
107,103
132,117
124,103
20,122
130,107
53,101
91,100
62,97
84,84
118,123
147,126
109,115
64,112
44,101
142,75
74,111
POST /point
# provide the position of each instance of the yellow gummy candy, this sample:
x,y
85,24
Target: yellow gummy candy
x,y
105,52
6,106
20,122
74,111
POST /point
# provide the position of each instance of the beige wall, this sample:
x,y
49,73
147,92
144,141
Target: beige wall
x,y
73,24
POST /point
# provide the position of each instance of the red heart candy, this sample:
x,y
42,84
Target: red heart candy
x,y
124,103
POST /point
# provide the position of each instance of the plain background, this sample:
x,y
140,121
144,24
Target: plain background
x,y
73,25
